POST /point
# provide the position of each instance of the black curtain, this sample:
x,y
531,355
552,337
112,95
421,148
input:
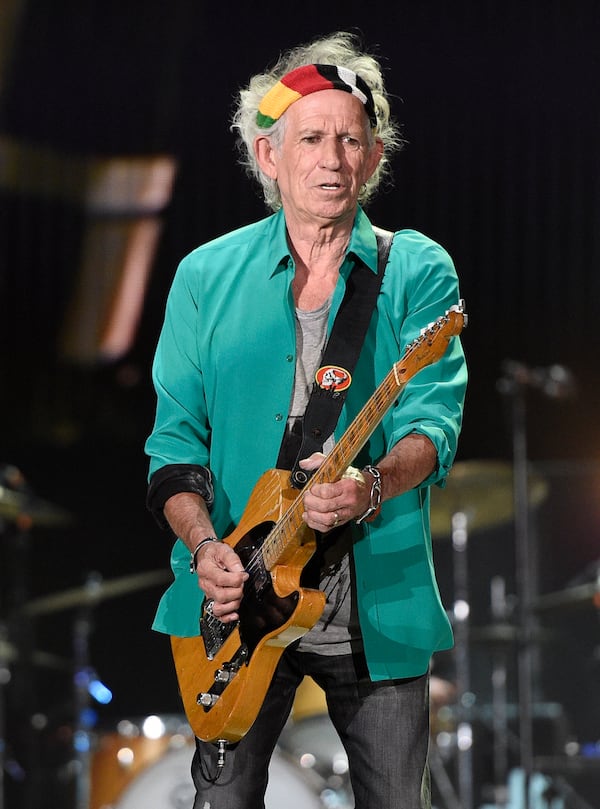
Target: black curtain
x,y
498,104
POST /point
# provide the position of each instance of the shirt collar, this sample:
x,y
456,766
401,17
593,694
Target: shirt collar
x,y
278,244
363,242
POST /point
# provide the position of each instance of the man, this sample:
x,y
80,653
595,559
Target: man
x,y
246,323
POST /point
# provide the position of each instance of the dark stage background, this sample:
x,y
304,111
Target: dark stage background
x,y
499,108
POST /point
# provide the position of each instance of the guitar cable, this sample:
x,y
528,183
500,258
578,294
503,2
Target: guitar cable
x,y
221,752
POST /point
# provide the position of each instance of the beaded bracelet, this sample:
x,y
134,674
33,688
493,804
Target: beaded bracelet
x,y
194,554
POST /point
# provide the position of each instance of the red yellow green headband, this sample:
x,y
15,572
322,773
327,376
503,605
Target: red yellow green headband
x,y
309,79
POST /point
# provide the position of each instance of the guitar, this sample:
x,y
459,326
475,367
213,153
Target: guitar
x,y
224,673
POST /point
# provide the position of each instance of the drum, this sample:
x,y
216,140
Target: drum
x,y
122,755
146,765
311,741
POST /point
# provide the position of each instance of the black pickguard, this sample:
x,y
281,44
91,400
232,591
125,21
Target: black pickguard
x,y
262,611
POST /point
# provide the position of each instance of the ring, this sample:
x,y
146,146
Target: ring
x,y
336,519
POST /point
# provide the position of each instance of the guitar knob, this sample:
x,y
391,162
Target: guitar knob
x,y
223,675
207,700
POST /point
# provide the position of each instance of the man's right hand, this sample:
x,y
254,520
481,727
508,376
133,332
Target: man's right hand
x,y
221,576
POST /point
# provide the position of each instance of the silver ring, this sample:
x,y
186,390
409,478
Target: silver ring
x,y
336,519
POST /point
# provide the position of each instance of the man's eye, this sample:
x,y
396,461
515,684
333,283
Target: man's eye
x,y
350,142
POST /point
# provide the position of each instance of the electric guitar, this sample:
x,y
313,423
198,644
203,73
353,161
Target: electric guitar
x,y
224,673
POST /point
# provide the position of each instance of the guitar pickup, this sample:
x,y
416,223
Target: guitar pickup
x,y
214,632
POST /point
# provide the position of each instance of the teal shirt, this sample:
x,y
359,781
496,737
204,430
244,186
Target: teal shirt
x,y
223,373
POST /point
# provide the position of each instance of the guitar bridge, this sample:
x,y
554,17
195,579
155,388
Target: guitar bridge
x,y
222,678
214,632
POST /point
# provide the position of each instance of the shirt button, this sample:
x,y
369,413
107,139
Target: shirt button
x,y
290,358
278,417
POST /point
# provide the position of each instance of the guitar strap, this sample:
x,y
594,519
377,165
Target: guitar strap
x,y
337,365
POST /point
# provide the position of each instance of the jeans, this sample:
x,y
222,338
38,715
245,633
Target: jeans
x,y
383,726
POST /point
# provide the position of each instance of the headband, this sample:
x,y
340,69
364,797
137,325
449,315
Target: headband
x,y
309,79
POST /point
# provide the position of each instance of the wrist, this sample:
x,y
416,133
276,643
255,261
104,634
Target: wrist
x,y
195,552
374,496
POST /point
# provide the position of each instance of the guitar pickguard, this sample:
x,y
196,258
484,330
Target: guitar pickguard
x,y
262,611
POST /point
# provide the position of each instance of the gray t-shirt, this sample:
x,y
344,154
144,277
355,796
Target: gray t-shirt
x,y
338,625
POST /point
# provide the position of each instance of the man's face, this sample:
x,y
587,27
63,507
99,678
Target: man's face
x,y
325,157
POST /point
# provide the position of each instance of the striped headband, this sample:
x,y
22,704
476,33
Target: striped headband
x,y
309,79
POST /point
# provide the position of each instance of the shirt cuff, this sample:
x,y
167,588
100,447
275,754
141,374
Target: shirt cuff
x,y
175,478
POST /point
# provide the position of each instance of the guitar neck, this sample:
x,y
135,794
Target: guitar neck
x,y
335,464
423,351
361,429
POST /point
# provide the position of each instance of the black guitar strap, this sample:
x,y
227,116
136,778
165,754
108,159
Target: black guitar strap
x,y
337,365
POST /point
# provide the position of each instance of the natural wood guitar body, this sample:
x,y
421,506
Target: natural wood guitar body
x,y
224,674
270,624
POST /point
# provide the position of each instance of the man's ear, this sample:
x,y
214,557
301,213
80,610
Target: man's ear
x,y
375,157
264,155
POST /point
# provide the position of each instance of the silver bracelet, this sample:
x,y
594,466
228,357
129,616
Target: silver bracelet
x,y
375,498
194,554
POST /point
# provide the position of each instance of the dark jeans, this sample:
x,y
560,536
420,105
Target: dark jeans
x,y
383,726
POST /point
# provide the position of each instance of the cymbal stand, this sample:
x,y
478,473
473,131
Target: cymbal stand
x,y
462,658
441,779
19,677
4,680
525,558
81,697
499,696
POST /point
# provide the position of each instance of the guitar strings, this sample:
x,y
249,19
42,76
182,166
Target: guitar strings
x,y
378,403
290,521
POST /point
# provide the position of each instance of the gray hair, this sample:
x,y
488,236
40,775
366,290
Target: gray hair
x,y
340,49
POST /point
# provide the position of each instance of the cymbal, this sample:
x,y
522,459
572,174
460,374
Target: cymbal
x,y
483,491
23,506
9,654
501,633
94,592
580,595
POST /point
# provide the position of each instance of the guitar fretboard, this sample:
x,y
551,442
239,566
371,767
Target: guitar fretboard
x,y
423,351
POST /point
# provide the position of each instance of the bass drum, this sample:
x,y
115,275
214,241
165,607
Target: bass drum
x,y
311,740
146,765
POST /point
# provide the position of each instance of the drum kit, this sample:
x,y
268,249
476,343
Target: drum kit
x,y
144,762
141,762
480,496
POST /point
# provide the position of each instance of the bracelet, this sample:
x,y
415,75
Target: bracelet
x,y
375,501
194,554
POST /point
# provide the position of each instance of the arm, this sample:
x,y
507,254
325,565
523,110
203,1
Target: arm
x,y
409,463
220,572
421,431
181,491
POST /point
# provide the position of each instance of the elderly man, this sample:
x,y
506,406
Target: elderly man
x,y
249,319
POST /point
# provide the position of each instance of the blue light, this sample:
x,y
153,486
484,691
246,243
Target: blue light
x,y
100,692
88,718
81,742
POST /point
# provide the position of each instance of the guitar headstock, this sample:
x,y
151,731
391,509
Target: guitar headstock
x,y
432,342
451,324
